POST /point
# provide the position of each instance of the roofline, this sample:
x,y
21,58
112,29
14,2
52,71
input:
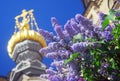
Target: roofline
x,y
88,7
84,4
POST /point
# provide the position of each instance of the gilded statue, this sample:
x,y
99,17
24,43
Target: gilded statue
x,y
24,24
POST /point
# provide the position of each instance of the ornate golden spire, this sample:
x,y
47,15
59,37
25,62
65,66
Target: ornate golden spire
x,y
24,24
24,31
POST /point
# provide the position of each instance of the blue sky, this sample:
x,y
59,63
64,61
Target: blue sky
x,y
43,11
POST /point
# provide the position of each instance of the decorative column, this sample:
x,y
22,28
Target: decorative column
x,y
23,48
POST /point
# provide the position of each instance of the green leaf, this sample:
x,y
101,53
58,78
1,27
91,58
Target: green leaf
x,y
119,43
108,18
101,41
112,12
97,63
67,61
72,57
105,23
77,37
116,31
91,39
117,18
111,16
75,55
113,64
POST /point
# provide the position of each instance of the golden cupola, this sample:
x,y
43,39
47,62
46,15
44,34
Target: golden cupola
x,y
24,31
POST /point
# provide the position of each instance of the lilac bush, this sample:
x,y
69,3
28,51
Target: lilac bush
x,y
82,51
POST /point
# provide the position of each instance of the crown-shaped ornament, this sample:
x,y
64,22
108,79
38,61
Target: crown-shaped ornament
x,y
24,30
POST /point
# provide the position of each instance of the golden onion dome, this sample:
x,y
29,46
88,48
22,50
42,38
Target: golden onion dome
x,y
24,33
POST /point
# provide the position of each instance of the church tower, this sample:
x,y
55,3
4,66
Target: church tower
x,y
23,48
94,7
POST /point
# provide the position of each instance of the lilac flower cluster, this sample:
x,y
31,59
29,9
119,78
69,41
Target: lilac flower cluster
x,y
108,33
61,47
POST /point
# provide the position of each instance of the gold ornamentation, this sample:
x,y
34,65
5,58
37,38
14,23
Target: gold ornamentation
x,y
24,31
24,24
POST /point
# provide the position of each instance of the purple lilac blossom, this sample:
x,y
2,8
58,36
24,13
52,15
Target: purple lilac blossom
x,y
53,21
108,36
101,17
47,35
81,79
63,48
83,21
79,47
58,30
50,71
117,14
75,25
109,28
52,55
46,50
55,78
71,78
69,29
59,65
